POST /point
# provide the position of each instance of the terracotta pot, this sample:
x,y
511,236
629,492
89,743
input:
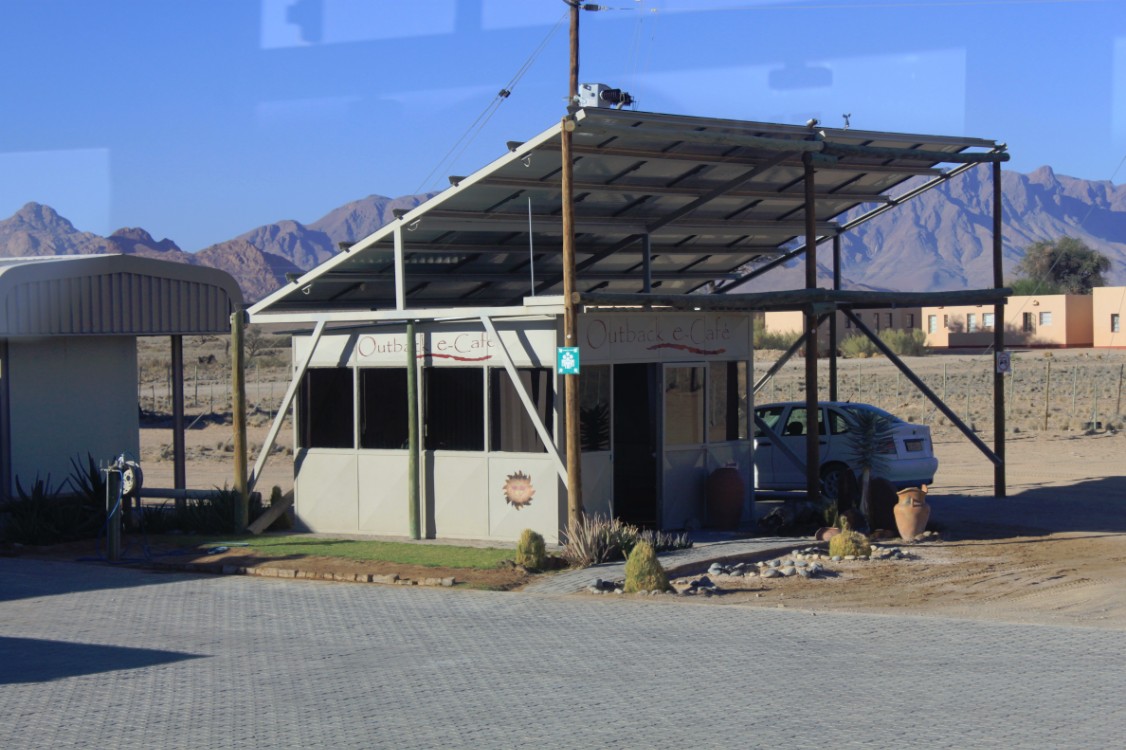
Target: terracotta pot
x,y
912,512
825,533
725,498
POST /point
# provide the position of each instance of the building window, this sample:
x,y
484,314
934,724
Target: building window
x,y
971,322
876,316
727,412
1046,318
887,318
594,408
932,324
511,428
684,405
455,409
987,321
383,408
946,322
1027,324
910,320
1114,322
324,408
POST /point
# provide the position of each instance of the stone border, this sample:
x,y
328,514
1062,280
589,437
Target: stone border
x,y
297,573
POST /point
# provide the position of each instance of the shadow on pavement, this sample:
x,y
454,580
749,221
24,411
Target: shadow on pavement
x,y
36,660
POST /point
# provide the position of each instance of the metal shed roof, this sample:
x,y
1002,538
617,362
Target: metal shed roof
x,y
710,196
113,295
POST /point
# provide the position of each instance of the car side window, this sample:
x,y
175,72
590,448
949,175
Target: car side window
x,y
797,425
770,415
838,422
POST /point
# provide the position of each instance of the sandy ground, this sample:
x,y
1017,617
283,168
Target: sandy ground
x,y
1052,552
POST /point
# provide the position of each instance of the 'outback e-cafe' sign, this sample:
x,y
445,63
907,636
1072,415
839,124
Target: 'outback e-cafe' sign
x,y
654,337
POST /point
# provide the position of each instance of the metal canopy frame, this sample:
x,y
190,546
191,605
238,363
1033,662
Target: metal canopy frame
x,y
666,208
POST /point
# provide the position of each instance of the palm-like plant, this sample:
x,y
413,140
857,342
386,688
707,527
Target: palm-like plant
x,y
870,440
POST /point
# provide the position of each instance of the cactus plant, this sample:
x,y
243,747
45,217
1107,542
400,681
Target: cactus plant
x,y
530,550
644,571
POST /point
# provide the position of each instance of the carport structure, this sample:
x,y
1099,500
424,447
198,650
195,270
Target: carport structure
x,y
670,215
68,355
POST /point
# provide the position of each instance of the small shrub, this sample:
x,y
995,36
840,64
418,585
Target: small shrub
x,y
781,340
644,571
597,539
531,551
663,541
906,343
594,539
41,516
849,542
857,346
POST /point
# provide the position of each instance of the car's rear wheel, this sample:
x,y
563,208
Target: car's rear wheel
x,y
832,480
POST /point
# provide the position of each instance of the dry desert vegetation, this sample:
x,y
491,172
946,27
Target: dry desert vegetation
x,y
1053,551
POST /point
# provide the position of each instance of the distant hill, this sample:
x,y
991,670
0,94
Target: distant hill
x,y
938,241
943,239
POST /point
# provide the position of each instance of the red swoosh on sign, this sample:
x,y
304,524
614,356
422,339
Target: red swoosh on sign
x,y
459,359
685,347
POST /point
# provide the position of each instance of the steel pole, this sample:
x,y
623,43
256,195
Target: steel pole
x,y
812,437
998,342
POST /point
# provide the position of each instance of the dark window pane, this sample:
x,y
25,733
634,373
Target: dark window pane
x,y
511,427
324,408
383,407
594,408
455,409
727,412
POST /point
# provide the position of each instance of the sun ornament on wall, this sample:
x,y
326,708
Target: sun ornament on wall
x,y
518,490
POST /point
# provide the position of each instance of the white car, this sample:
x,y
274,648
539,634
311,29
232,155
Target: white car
x,y
908,454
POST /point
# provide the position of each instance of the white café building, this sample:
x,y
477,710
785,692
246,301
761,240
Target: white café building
x,y
669,213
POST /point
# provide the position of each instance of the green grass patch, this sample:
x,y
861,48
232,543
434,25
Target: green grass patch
x,y
404,553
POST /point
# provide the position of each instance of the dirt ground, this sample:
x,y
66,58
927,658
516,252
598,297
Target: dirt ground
x,y
1052,552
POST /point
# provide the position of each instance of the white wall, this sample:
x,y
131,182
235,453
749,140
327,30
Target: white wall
x,y
70,396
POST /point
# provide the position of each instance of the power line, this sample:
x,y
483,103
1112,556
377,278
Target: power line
x,y
461,144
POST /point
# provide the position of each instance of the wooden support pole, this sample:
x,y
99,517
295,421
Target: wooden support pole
x,y
998,342
570,336
812,438
413,450
238,419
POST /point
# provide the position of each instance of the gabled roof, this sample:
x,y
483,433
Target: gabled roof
x,y
711,195
100,295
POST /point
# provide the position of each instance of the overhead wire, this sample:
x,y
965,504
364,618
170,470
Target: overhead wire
x,y
459,147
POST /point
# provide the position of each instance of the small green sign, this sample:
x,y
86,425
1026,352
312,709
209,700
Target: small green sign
x,y
567,360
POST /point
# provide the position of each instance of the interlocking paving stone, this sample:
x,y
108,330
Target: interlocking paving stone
x,y
92,656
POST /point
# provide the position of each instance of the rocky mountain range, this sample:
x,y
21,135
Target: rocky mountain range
x,y
938,241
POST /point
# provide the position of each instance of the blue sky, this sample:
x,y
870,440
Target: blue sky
x,y
202,119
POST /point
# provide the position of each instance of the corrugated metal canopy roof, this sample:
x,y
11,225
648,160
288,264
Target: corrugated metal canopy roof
x,y
91,295
711,195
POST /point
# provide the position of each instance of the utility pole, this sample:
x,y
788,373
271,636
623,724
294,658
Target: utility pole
x,y
570,338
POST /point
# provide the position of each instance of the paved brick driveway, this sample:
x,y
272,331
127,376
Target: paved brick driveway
x,y
94,657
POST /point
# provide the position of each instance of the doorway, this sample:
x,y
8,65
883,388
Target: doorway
x,y
636,439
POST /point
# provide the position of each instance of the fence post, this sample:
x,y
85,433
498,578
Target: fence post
x,y
1047,393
